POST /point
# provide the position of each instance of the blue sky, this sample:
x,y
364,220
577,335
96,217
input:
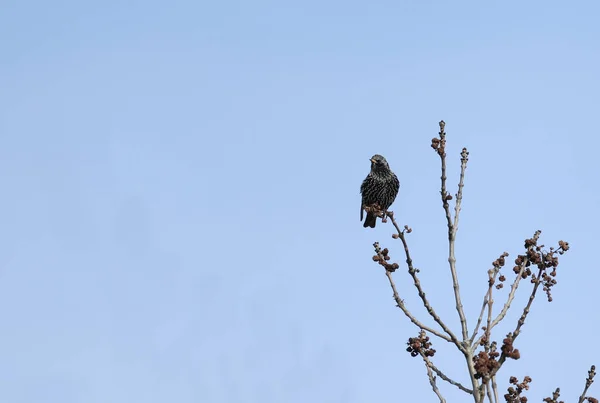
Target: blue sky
x,y
180,210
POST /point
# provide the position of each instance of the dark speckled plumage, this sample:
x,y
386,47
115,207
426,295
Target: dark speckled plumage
x,y
379,187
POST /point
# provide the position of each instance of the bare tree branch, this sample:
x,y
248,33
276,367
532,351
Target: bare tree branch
x,y
402,306
495,389
511,296
417,283
588,383
452,258
445,377
554,398
440,147
380,257
521,321
480,318
512,336
432,380
489,392
505,308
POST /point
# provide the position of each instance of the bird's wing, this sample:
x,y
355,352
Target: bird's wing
x,y
362,187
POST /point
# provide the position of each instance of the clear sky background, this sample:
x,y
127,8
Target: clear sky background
x,y
180,193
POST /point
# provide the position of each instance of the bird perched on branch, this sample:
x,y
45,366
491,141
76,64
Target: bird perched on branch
x,y
379,190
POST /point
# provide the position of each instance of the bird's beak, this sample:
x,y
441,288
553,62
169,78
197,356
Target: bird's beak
x,y
372,160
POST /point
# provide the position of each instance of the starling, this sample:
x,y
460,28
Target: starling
x,y
380,187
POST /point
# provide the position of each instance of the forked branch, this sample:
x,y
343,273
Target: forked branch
x,y
439,145
381,257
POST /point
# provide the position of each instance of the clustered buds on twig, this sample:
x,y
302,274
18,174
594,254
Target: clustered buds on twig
x,y
420,345
508,349
485,363
382,256
485,341
591,375
514,393
563,247
588,383
464,155
497,265
439,144
554,398
405,230
544,260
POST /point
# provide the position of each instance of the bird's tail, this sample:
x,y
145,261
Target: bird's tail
x,y
370,220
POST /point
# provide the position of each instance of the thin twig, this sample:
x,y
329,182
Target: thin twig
x,y
417,283
492,273
521,321
445,377
488,391
452,258
442,153
480,318
452,227
588,383
495,389
487,299
527,308
488,327
481,393
507,304
432,380
402,306
440,146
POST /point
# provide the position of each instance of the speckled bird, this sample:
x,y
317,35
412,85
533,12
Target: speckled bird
x,y
379,187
